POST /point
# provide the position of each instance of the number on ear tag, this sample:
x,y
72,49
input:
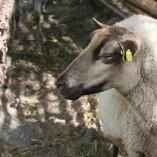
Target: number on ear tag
x,y
128,55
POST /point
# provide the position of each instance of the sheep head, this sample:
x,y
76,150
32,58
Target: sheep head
x,y
109,61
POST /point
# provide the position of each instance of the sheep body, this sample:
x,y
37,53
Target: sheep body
x,y
116,116
121,120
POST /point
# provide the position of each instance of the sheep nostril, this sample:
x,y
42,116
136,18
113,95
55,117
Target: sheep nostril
x,y
61,85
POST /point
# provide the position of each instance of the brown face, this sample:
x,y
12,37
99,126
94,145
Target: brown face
x,y
101,64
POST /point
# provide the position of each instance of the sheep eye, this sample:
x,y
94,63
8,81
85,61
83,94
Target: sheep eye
x,y
108,56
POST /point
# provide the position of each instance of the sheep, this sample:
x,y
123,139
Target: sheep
x,y
37,5
120,63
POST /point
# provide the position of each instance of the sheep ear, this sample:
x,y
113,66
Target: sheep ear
x,y
128,50
99,24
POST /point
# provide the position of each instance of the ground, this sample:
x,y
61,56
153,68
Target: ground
x,y
42,123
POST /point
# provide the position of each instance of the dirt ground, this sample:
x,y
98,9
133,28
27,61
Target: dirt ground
x,y
37,121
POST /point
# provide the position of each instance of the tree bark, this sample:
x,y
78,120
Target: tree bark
x,y
6,10
12,130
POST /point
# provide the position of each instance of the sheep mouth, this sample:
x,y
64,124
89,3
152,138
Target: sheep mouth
x,y
84,91
75,93
74,96
97,88
72,93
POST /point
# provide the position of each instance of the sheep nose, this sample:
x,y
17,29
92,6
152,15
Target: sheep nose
x,y
68,87
61,84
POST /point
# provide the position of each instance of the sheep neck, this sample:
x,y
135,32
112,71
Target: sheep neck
x,y
143,97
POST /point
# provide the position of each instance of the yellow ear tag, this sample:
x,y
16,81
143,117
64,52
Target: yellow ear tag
x,y
128,55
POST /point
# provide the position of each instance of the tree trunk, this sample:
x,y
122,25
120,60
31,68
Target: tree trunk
x,y
6,9
12,130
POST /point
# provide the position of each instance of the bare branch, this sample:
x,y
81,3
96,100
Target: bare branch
x,y
116,10
142,8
